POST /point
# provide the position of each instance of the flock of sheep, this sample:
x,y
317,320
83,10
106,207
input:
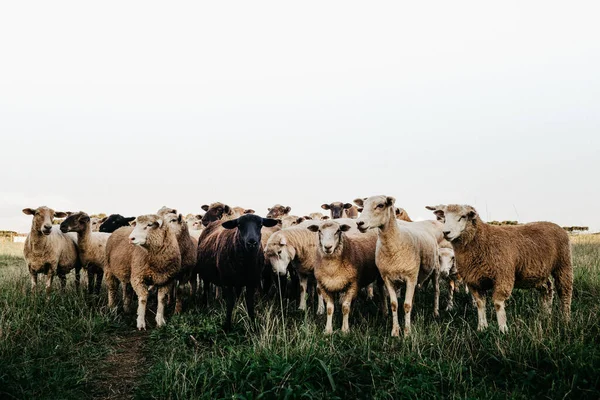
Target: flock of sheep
x,y
372,243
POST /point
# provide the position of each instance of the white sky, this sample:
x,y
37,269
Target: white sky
x,y
122,107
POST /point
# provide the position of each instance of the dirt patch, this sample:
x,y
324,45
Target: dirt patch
x,y
120,372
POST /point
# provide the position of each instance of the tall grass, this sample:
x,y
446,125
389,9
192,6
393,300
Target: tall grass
x,y
52,348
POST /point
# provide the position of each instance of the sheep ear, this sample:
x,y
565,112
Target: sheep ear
x,y
270,222
28,211
204,207
472,214
300,220
324,217
130,219
325,206
133,223
389,201
345,228
198,216
288,209
85,218
269,209
360,209
347,206
232,224
180,218
306,217
439,213
159,223
226,209
359,202
60,214
102,220
249,211
313,228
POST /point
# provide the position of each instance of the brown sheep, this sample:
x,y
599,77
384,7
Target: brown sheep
x,y
402,215
291,220
500,258
49,251
345,263
341,210
91,247
216,212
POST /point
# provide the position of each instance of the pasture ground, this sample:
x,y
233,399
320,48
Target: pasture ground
x,y
70,346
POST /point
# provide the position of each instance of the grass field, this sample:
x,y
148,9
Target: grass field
x,y
70,346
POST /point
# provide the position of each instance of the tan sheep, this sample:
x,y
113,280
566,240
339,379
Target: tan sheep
x,y
345,263
91,247
500,258
278,211
291,220
49,251
317,216
406,251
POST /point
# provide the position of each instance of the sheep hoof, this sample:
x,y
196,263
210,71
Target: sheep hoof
x,y
396,331
449,307
436,314
320,311
407,332
503,329
482,327
328,331
301,307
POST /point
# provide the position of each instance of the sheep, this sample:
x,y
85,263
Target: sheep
x,y
194,223
96,222
406,251
230,255
291,220
316,216
49,251
402,215
218,211
91,247
278,211
296,246
341,210
501,258
239,211
114,222
345,263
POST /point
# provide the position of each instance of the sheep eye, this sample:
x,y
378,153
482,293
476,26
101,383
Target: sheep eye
x,y
379,205
461,217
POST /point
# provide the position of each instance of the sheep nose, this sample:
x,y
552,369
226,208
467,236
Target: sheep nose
x,y
252,243
360,223
446,233
48,227
327,247
131,239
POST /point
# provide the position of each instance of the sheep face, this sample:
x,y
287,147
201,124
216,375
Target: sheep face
x,y
317,216
376,212
194,222
77,222
279,255
175,222
144,225
290,220
114,222
164,210
249,226
456,219
330,236
447,262
95,223
42,218
278,211
337,208
216,212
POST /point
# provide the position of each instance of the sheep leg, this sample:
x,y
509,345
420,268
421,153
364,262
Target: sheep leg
x,y
112,283
127,297
49,279
563,282
451,289
346,303
205,290
320,301
63,281
77,277
99,276
480,301
394,305
90,277
370,291
193,285
408,300
250,304
142,293
330,308
499,297
34,277
180,285
303,290
547,294
230,302
160,309
383,304
436,287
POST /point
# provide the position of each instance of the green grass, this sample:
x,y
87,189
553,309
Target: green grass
x,y
52,348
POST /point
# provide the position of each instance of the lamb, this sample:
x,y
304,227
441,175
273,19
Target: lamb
x,y
194,223
406,251
154,260
230,255
500,258
217,211
48,251
345,263
341,210
296,246
278,211
96,222
114,222
91,247
291,220
316,216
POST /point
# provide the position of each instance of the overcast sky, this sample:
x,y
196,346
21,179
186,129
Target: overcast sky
x,y
123,107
